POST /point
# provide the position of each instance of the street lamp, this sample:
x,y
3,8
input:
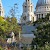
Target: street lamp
x,y
19,36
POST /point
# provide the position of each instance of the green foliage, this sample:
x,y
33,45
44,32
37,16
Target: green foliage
x,y
13,26
24,48
8,25
42,34
1,48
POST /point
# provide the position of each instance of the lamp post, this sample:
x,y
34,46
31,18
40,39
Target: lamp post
x,y
20,41
19,36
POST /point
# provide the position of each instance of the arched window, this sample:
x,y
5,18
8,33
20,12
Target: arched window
x,y
42,15
45,1
26,0
0,13
33,19
24,17
31,8
37,16
25,8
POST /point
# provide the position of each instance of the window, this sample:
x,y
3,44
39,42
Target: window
x,y
25,6
25,9
31,8
39,16
47,6
0,6
33,19
28,0
42,15
0,13
45,1
24,17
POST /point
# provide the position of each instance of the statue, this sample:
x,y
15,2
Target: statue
x,y
13,37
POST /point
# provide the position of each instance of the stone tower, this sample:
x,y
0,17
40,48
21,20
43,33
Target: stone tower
x,y
28,12
1,9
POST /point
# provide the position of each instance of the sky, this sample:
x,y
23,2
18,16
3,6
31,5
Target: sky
x,y
8,4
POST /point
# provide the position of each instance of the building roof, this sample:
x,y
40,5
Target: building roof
x,y
42,3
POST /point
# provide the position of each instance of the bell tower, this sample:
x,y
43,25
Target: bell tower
x,y
28,1
1,9
28,12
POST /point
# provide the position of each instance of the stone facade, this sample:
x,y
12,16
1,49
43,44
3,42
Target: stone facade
x,y
28,14
42,8
1,9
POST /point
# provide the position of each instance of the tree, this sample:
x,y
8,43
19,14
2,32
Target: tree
x,y
42,34
1,48
13,25
7,26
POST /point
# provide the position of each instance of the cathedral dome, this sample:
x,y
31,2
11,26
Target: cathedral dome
x,y
42,3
